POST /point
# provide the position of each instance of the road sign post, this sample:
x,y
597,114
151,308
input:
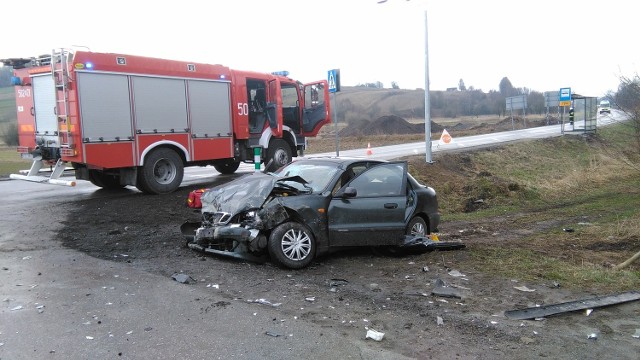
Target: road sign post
x,y
333,78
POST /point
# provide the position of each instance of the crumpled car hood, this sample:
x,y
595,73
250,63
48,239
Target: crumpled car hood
x,y
242,194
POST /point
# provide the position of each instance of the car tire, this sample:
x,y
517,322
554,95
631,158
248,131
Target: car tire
x,y
280,152
292,245
161,173
417,226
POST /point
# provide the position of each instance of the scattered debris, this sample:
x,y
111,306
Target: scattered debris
x,y
425,269
182,278
264,302
374,335
337,282
568,230
19,307
588,312
593,336
89,337
637,334
215,286
270,333
542,311
524,288
443,289
456,273
310,298
439,321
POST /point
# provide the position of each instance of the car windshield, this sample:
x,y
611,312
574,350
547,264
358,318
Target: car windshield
x,y
316,175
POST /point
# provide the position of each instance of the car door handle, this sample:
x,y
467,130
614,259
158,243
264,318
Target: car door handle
x,y
390,206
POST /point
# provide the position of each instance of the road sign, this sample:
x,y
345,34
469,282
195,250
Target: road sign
x,y
565,103
551,98
516,102
334,80
565,94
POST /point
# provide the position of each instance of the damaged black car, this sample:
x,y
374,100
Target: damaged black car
x,y
312,206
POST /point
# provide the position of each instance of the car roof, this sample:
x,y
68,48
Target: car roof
x,y
342,160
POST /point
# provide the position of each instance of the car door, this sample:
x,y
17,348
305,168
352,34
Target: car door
x,y
376,214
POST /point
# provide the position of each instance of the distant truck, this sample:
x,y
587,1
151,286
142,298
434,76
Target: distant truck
x,y
122,120
604,107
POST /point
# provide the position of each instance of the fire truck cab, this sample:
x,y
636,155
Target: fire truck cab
x,y
122,120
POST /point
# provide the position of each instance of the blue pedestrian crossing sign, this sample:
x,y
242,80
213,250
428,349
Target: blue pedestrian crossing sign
x,y
334,80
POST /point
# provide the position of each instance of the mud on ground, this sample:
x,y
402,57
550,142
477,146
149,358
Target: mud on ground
x,y
348,291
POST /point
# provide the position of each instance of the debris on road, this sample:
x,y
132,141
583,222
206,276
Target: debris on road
x,y
524,288
541,311
273,334
443,289
374,335
456,273
182,278
264,302
338,282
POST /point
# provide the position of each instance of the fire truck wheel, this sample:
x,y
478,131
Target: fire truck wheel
x,y
280,152
161,173
227,168
100,179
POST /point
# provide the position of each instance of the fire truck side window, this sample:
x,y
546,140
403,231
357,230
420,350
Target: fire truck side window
x,y
257,96
290,106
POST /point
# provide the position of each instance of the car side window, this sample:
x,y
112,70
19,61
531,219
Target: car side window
x,y
348,175
381,180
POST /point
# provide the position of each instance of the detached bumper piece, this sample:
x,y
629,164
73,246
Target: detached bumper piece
x,y
424,244
228,241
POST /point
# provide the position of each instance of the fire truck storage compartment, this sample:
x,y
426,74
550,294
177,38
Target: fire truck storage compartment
x,y
105,107
44,103
210,109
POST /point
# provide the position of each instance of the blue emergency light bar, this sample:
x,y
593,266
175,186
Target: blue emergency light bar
x,y
280,73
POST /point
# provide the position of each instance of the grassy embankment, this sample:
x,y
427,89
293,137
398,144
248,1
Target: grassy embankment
x,y
564,209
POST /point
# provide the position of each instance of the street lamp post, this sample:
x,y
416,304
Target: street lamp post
x,y
427,107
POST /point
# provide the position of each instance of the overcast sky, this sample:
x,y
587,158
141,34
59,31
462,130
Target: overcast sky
x,y
542,45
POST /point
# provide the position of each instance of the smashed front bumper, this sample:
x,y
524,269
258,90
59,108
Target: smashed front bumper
x,y
229,240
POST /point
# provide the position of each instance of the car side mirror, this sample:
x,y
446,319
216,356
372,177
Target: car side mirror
x,y
349,192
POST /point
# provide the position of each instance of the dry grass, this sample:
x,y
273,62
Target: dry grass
x,y
10,161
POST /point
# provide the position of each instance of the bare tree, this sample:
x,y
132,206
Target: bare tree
x,y
627,100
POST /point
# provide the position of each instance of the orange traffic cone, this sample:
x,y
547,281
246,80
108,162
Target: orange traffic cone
x,y
369,151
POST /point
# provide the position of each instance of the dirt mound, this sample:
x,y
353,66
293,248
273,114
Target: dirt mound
x,y
385,125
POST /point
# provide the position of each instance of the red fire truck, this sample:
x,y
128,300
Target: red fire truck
x,y
122,120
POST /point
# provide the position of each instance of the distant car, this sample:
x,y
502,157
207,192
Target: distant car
x,y
313,205
604,107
